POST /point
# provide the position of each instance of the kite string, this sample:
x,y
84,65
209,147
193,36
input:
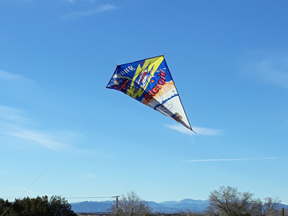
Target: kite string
x,y
47,167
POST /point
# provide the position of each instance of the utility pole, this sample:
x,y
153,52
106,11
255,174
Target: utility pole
x,y
117,214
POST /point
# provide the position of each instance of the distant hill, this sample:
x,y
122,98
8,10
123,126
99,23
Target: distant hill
x,y
178,206
163,207
89,207
168,207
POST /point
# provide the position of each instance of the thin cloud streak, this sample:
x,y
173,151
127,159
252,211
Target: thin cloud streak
x,y
71,1
39,138
100,9
74,1
198,130
268,71
4,75
13,115
89,176
18,124
234,159
14,122
271,67
179,128
207,131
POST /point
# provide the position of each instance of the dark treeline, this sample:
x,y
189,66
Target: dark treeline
x,y
39,206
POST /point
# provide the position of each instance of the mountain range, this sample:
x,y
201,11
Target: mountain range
x,y
163,207
168,207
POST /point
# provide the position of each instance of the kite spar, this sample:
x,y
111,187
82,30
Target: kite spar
x,y
150,82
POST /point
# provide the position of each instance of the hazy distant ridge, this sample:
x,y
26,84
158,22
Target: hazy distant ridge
x,y
167,207
163,207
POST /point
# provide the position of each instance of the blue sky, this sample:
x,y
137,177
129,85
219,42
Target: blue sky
x,y
63,133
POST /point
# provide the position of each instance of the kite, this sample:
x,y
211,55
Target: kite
x,y
150,82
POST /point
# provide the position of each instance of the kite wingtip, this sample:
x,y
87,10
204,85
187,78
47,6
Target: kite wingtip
x,y
193,130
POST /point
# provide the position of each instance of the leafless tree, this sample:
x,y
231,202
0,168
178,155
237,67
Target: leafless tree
x,y
270,207
227,201
131,205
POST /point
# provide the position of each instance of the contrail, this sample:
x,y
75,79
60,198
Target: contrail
x,y
235,159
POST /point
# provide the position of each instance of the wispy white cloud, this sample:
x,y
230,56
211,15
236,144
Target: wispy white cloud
x,y
179,128
198,130
207,131
271,67
38,137
71,1
13,115
231,159
4,75
75,1
273,72
91,12
16,123
89,176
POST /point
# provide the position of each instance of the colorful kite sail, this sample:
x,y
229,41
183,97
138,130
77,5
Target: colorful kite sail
x,y
150,82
